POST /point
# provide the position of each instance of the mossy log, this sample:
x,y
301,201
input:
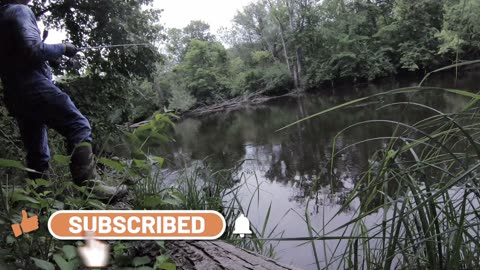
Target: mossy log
x,y
218,255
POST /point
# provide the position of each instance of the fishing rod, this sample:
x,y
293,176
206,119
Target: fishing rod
x,y
113,46
45,35
73,61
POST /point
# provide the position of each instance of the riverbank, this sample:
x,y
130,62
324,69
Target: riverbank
x,y
405,79
305,182
299,180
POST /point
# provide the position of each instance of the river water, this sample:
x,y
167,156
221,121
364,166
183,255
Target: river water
x,y
291,167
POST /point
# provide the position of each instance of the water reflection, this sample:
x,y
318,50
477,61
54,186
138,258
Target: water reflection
x,y
294,165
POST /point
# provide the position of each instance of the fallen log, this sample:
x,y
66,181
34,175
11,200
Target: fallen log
x,y
226,105
233,104
218,255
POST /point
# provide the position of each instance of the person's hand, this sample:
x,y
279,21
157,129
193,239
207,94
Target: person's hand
x,y
70,49
54,63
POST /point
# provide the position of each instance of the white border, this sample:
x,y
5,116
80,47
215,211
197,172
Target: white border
x,y
143,212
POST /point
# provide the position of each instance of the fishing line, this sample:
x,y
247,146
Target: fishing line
x,y
113,46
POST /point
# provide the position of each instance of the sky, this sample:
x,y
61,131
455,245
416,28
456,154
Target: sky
x,y
217,13
179,13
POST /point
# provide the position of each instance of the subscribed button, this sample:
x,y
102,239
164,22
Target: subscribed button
x,y
133,224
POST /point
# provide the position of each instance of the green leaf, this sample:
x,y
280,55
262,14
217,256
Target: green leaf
x,y
70,252
464,93
161,244
144,268
167,266
162,138
112,164
172,201
178,196
144,127
152,201
158,117
163,262
16,196
7,163
162,259
139,261
62,263
119,248
31,183
59,205
62,160
131,136
43,182
391,153
96,204
141,164
44,265
10,239
159,160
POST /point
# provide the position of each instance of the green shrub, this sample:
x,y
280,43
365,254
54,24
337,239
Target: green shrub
x,y
181,100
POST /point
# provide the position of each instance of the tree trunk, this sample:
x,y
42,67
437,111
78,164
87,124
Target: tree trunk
x,y
298,54
284,44
296,75
285,52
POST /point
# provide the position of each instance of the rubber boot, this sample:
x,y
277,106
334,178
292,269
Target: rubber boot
x,y
82,164
82,168
107,193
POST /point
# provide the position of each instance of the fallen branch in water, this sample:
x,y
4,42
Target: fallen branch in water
x,y
230,104
235,103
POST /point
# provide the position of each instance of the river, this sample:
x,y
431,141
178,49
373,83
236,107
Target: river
x,y
291,167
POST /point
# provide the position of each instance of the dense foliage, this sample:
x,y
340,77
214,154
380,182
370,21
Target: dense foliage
x,y
110,85
111,76
279,45
272,47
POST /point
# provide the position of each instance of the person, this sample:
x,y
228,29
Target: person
x,y
32,97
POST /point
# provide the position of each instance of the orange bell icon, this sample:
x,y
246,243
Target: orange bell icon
x,y
242,226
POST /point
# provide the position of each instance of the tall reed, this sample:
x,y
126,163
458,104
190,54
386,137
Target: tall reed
x,y
419,197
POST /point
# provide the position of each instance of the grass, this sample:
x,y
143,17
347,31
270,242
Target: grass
x,y
200,188
417,200
197,188
39,250
421,190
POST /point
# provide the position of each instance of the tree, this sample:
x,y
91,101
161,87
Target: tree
x,y
412,33
198,30
106,85
204,71
175,45
460,30
179,39
107,22
252,26
293,19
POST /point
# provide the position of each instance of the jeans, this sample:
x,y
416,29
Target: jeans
x,y
39,105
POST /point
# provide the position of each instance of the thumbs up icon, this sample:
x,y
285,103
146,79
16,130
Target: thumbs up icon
x,y
95,253
28,224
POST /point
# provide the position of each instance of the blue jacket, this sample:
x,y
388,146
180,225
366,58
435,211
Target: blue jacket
x,y
23,55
